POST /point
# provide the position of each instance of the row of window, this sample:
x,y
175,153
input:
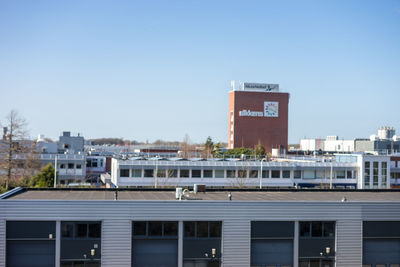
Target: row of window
x,y
317,229
94,162
81,230
192,229
375,174
70,166
186,173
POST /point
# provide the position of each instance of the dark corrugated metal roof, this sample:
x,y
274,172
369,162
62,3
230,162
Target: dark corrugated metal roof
x,y
217,195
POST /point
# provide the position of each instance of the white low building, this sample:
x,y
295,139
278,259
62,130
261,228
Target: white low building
x,y
348,171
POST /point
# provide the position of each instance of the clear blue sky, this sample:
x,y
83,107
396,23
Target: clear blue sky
x,y
162,69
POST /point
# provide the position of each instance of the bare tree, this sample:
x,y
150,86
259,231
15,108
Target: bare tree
x,y
186,146
15,148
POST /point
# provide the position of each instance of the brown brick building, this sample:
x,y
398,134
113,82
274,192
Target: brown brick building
x,y
258,113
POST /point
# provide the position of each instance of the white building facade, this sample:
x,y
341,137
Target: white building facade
x,y
348,171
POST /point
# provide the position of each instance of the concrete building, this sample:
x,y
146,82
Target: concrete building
x,y
70,144
345,171
141,228
386,142
258,113
71,168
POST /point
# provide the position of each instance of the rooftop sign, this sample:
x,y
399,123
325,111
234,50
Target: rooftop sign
x,y
261,86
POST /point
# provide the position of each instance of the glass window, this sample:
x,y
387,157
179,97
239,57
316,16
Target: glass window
x,y
340,174
95,230
219,174
265,174
253,174
202,229
148,173
196,173
316,229
329,229
94,163
139,228
304,229
242,173
285,174
81,230
320,174
215,229
170,228
189,229
308,174
161,173
67,229
62,166
124,173
230,173
349,174
275,174
172,173
184,173
70,165
155,228
297,174
375,172
207,173
78,166
136,173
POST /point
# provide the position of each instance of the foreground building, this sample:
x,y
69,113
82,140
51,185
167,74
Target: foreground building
x,y
44,227
258,113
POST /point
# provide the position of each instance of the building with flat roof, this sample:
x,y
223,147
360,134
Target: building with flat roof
x,y
235,228
258,113
343,171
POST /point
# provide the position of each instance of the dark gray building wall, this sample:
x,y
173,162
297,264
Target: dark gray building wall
x,y
117,217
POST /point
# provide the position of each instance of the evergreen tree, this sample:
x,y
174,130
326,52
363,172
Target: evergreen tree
x,y
45,178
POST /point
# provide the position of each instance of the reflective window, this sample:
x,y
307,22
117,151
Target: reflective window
x,y
139,228
219,174
285,174
275,174
207,173
124,172
196,173
202,229
189,229
230,173
81,230
136,172
155,228
184,173
148,173
172,173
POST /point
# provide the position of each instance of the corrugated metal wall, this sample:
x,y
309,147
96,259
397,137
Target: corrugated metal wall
x,y
349,243
2,243
116,243
236,243
117,217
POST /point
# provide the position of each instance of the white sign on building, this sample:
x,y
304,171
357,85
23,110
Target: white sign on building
x,y
271,109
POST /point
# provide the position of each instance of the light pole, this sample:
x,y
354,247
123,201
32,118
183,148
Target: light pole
x,y
55,171
261,171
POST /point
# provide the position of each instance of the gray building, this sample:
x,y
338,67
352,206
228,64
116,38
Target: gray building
x,y
382,146
45,227
70,144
